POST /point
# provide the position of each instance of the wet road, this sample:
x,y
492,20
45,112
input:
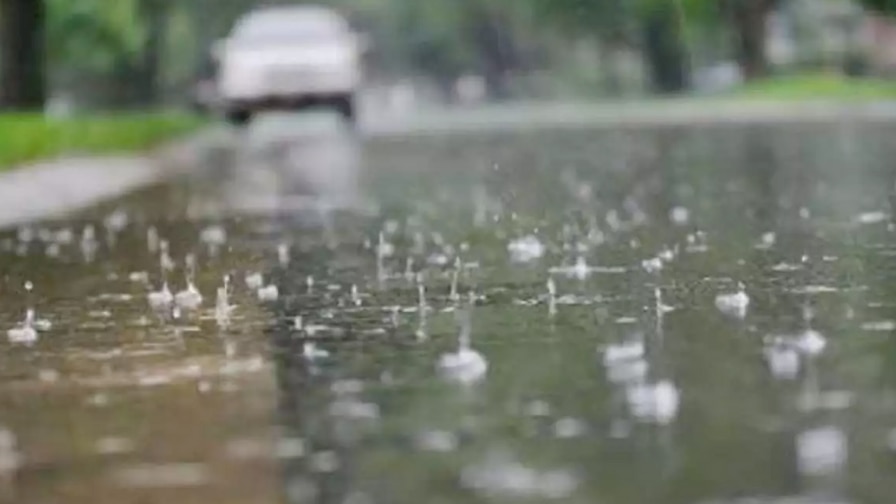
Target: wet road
x,y
544,315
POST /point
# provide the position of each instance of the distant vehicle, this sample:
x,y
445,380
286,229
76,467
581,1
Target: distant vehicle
x,y
278,58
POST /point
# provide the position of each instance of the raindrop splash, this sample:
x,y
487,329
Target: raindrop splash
x,y
466,365
734,304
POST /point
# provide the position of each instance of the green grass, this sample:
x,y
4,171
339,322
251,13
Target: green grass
x,y
26,137
818,86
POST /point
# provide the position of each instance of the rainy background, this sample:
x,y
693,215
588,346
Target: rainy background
x,y
627,251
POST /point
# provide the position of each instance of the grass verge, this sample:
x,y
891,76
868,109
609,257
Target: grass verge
x,y
30,137
820,87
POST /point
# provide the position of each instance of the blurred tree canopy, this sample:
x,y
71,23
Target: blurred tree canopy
x,y
142,52
107,52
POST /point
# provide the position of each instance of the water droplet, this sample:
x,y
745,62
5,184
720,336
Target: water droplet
x,y
821,451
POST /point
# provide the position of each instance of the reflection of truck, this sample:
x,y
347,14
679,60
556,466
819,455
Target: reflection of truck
x,y
287,58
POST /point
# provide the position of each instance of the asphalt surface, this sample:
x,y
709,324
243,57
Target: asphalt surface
x,y
485,309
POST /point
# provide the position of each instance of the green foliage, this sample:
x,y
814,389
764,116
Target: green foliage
x,y
614,18
586,16
819,86
430,31
101,50
94,35
25,138
882,6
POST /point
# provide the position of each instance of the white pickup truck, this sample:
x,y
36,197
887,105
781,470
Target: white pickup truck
x,y
287,58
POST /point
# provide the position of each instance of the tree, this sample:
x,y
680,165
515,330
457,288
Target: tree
x,y
94,49
655,25
748,20
152,14
606,23
664,48
22,59
490,31
111,52
432,41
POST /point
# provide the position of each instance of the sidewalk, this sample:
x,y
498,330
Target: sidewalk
x,y
52,188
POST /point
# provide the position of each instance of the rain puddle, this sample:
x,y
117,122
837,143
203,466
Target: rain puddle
x,y
674,315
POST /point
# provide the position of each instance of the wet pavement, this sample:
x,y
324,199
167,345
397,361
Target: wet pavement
x,y
663,314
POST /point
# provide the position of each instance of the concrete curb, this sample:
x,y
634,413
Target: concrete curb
x,y
52,188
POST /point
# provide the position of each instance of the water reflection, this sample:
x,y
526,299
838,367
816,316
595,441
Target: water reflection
x,y
285,165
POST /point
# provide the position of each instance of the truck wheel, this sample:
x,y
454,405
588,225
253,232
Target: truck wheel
x,y
239,118
346,107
